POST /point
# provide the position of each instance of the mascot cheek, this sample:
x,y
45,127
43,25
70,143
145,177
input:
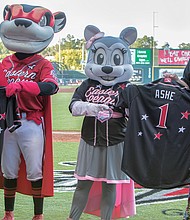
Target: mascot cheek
x,y
90,71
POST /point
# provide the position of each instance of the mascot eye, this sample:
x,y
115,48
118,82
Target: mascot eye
x,y
117,57
43,21
100,57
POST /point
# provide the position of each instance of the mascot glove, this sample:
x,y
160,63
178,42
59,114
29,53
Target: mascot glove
x,y
24,86
89,109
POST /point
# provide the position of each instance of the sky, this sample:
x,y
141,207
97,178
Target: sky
x,y
166,20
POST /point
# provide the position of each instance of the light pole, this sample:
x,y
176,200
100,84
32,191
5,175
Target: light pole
x,y
60,66
59,50
83,56
153,44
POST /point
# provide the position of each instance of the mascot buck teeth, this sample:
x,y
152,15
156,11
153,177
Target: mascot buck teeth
x,y
98,169
27,161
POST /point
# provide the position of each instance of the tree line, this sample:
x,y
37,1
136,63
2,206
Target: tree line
x,y
71,52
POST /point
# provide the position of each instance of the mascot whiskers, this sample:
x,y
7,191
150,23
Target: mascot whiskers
x,y
102,188
27,161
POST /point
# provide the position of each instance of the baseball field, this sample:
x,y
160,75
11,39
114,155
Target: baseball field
x,y
151,204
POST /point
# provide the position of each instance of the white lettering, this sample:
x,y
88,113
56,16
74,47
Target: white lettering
x,y
104,96
164,94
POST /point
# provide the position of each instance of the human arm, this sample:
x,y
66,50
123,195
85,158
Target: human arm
x,y
186,74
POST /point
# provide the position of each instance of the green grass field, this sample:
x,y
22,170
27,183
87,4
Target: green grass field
x,y
57,207
62,118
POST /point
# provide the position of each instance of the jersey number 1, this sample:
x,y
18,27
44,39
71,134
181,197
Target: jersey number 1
x,y
163,116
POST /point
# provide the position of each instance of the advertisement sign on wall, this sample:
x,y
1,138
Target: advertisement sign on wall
x,y
141,56
137,76
173,57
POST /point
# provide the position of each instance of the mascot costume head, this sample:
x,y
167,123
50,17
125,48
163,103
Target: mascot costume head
x,y
29,29
109,58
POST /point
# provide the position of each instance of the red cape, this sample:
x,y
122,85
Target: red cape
x,y
24,186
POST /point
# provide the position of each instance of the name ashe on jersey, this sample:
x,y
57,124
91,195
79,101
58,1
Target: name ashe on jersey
x,y
164,94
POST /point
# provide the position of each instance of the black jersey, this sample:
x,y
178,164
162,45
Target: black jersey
x,y
157,141
8,115
111,131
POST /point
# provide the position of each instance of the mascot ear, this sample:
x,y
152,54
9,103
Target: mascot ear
x,y
90,31
6,12
129,35
60,21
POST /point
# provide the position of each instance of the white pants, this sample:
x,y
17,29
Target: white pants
x,y
27,140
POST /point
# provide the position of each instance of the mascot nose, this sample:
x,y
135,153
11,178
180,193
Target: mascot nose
x,y
22,22
107,69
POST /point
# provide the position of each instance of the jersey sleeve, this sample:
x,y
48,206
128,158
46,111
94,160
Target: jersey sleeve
x,y
79,94
3,81
127,95
48,73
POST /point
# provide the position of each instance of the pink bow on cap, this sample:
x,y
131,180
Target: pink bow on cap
x,y
92,39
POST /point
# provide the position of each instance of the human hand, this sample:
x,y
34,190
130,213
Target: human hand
x,y
176,78
171,75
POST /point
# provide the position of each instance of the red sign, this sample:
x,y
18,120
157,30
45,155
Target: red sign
x,y
173,57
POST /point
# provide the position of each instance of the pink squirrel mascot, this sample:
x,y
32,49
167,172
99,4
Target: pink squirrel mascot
x,y
102,188
27,160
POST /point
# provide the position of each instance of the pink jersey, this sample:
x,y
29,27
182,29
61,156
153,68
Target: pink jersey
x,y
34,68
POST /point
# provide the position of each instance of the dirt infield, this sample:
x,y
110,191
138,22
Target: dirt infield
x,y
67,89
64,136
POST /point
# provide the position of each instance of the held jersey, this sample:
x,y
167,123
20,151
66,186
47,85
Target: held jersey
x,y
34,68
8,115
102,133
157,141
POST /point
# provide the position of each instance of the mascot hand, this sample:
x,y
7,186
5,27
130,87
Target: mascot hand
x,y
25,86
85,108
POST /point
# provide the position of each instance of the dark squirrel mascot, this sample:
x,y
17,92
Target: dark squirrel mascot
x,y
27,161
